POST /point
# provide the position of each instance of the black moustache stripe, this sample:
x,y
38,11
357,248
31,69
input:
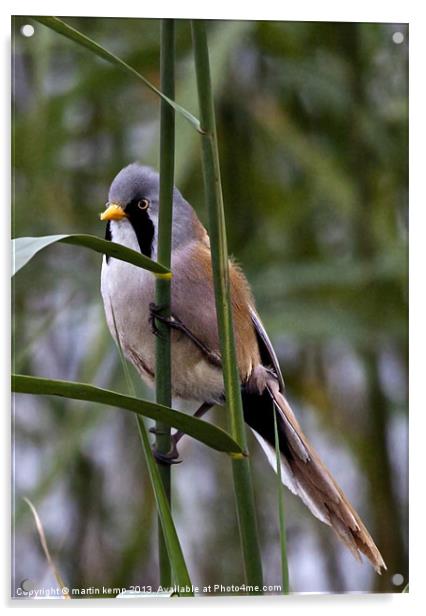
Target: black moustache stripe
x,y
108,236
144,229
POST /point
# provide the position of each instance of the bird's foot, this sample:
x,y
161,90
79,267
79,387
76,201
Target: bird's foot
x,y
155,315
171,457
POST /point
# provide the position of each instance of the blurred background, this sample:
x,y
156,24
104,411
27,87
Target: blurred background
x,y
312,123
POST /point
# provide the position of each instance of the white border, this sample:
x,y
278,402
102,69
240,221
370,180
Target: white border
x,y
302,10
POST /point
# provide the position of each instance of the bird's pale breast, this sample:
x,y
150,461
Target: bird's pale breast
x,y
127,292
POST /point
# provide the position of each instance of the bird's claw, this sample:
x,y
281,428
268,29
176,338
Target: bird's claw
x,y
155,315
171,457
156,431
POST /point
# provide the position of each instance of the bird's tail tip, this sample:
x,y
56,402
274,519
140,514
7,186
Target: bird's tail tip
x,y
304,473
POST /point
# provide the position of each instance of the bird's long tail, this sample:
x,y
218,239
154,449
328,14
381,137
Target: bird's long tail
x,y
303,472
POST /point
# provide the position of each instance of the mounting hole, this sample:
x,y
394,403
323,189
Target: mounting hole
x,y
397,579
27,30
398,38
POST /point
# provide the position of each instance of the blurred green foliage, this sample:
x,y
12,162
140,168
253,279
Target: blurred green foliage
x,y
313,130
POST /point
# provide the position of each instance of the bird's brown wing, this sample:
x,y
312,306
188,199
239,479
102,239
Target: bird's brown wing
x,y
193,302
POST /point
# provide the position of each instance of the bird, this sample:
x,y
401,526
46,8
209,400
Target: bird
x,y
131,215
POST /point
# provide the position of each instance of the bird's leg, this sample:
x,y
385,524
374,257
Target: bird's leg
x,y
175,323
171,457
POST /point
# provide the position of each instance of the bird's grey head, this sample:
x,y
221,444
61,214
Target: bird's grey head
x,y
132,211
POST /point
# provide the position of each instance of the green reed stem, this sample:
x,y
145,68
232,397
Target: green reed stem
x,y
213,193
281,514
163,286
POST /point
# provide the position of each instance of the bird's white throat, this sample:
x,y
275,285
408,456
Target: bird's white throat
x,y
122,232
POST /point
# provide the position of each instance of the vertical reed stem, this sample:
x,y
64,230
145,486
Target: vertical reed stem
x,y
281,514
241,467
163,289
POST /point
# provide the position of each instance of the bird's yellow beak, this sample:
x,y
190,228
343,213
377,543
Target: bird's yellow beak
x,y
113,212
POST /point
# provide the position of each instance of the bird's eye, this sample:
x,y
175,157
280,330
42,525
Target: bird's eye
x,y
143,204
